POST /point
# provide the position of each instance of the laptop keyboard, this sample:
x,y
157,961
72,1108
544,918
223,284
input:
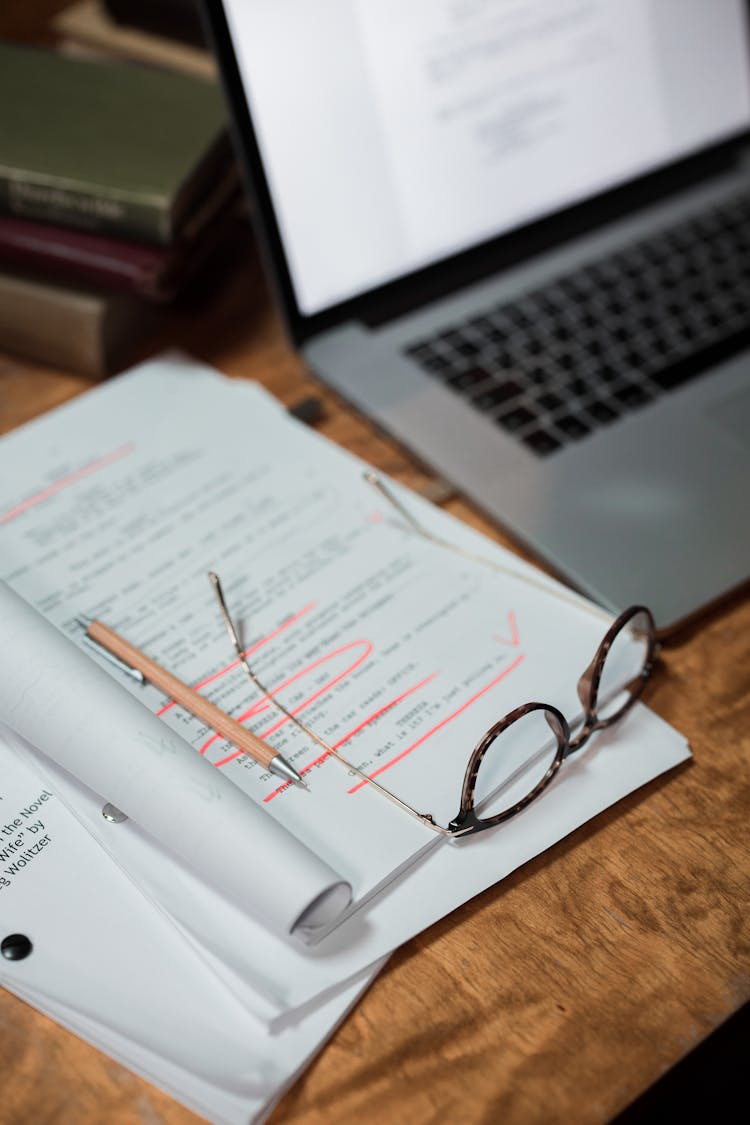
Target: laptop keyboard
x,y
589,347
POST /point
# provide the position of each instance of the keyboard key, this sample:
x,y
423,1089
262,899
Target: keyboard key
x,y
601,412
524,313
572,426
550,401
497,335
630,394
468,348
436,363
471,377
497,395
579,387
634,359
563,333
420,351
451,338
480,324
516,419
535,347
541,442
607,373
661,345
617,306
539,376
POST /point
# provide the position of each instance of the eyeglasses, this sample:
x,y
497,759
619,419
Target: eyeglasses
x,y
626,654
518,756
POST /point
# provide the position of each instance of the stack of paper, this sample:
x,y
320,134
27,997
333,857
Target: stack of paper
x,y
244,917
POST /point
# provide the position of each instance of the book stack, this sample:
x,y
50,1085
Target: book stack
x,y
117,185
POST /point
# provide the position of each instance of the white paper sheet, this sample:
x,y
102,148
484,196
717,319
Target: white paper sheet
x,y
282,1055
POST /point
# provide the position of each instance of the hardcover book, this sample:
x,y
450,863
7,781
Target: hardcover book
x,y
109,147
84,330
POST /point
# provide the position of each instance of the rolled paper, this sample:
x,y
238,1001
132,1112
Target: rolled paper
x,y
58,699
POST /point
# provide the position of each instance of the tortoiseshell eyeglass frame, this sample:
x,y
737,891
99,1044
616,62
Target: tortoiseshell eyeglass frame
x,y
467,821
588,690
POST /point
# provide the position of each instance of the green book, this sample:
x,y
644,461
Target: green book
x,y
112,147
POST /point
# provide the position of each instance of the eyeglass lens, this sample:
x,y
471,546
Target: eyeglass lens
x,y
516,762
624,663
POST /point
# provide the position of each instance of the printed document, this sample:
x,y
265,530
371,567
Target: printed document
x,y
400,654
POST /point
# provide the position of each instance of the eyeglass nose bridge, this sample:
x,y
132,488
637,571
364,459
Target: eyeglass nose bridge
x,y
587,689
590,726
587,694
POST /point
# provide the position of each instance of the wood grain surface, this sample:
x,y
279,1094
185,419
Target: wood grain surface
x,y
558,995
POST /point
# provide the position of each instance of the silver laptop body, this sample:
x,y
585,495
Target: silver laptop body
x,y
650,507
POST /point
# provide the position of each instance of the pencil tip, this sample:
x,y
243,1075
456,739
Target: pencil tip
x,y
282,768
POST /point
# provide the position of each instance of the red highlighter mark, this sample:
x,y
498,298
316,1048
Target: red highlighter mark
x,y
444,722
263,704
514,640
65,482
355,730
248,652
366,652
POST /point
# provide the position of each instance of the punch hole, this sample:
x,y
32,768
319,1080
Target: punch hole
x,y
15,947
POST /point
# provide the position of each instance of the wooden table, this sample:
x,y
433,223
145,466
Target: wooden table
x,y
558,995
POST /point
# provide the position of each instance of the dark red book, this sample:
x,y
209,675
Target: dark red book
x,y
157,273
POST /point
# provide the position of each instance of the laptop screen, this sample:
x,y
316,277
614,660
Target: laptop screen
x,y
396,133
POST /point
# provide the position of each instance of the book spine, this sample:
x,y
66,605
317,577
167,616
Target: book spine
x,y
80,206
89,259
73,329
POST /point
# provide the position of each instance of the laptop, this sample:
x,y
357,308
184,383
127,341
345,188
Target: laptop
x,y
516,234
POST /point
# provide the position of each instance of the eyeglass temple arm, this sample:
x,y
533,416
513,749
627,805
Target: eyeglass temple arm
x,y
571,598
